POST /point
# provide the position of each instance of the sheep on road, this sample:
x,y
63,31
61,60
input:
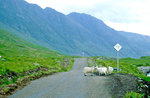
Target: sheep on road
x,y
101,70
88,70
110,70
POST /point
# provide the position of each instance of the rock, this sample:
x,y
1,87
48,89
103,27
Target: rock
x,y
1,96
13,85
22,82
44,69
1,91
36,63
18,82
3,59
146,86
144,69
57,61
25,81
123,83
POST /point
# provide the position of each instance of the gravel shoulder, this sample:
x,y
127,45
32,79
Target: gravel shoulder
x,y
74,84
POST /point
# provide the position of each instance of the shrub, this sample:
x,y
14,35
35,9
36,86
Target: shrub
x,y
134,95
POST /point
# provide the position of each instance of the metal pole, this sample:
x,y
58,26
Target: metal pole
x,y
118,61
82,54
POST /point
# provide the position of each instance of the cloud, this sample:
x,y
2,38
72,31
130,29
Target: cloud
x,y
113,13
137,17
126,15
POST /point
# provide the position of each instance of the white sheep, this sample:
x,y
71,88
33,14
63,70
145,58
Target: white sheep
x,y
88,70
110,70
101,70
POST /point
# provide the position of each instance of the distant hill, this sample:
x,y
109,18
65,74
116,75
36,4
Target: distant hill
x,y
69,34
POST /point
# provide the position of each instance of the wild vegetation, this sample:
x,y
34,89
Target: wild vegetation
x,y
126,65
134,95
21,61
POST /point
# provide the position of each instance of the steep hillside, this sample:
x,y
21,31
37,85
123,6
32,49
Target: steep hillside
x,y
12,46
21,62
69,34
133,44
19,55
48,27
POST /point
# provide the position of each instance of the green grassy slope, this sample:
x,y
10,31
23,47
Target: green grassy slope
x,y
22,59
143,61
127,65
10,45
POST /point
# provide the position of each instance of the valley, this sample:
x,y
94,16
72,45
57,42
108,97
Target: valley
x,y
43,53
74,83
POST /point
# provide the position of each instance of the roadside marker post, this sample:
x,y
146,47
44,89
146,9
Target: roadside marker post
x,y
82,54
117,47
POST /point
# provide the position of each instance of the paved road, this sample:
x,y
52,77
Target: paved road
x,y
71,84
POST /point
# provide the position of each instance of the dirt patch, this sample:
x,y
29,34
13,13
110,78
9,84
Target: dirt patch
x,y
122,83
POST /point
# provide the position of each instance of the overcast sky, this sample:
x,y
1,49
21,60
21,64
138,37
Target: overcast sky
x,y
126,15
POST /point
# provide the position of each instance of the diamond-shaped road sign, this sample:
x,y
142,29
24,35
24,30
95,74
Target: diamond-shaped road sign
x,y
118,47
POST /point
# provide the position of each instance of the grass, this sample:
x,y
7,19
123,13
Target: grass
x,y
127,65
134,95
21,59
143,61
134,63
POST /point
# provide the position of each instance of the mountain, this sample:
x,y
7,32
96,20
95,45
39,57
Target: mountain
x,y
12,46
133,44
69,34
46,27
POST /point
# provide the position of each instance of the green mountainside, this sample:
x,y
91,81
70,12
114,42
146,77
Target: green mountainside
x,y
19,55
68,34
21,62
12,46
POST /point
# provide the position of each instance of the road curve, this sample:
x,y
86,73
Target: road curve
x,y
71,84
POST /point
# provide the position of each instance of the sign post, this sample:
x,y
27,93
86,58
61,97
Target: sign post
x,y
82,54
117,47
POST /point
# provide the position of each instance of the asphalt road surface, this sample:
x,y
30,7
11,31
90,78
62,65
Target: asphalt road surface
x,y
71,84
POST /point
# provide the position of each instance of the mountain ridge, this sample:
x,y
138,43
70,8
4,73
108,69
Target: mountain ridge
x,y
69,34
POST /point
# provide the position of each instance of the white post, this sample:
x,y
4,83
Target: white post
x,y
118,61
117,47
82,54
